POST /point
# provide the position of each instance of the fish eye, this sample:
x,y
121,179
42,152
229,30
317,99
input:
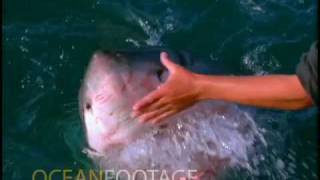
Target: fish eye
x,y
88,106
159,73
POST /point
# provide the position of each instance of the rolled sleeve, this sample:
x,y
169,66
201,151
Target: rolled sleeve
x,y
307,72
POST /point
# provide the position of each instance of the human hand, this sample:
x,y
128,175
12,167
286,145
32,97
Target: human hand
x,y
176,94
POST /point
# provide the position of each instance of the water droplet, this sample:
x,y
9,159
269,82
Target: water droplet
x,y
24,49
24,38
61,55
305,165
279,164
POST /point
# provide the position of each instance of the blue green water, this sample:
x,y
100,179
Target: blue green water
x,y
47,45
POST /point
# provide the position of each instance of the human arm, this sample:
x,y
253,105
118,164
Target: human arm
x,y
270,91
184,88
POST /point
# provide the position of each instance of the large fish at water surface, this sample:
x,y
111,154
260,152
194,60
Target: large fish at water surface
x,y
208,137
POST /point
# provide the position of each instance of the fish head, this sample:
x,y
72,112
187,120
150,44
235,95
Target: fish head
x,y
113,82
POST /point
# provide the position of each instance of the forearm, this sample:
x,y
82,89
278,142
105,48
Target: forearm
x,y
271,91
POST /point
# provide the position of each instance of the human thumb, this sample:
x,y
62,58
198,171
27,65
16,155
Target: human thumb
x,y
167,62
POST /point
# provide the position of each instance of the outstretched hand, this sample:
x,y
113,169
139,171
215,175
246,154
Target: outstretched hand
x,y
176,94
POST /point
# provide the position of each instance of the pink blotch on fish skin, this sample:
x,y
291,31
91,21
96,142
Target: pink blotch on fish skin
x,y
100,98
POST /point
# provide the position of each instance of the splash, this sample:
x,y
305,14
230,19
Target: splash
x,y
207,137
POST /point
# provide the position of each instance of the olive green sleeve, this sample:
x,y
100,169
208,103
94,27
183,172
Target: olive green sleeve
x,y
307,72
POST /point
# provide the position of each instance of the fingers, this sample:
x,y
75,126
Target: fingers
x,y
148,100
163,116
156,105
153,114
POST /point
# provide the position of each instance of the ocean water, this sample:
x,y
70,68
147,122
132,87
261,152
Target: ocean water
x,y
47,45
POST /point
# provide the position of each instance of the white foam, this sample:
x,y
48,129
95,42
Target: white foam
x,y
208,136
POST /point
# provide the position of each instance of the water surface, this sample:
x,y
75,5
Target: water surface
x,y
47,45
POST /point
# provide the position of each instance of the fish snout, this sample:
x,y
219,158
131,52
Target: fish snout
x,y
101,59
